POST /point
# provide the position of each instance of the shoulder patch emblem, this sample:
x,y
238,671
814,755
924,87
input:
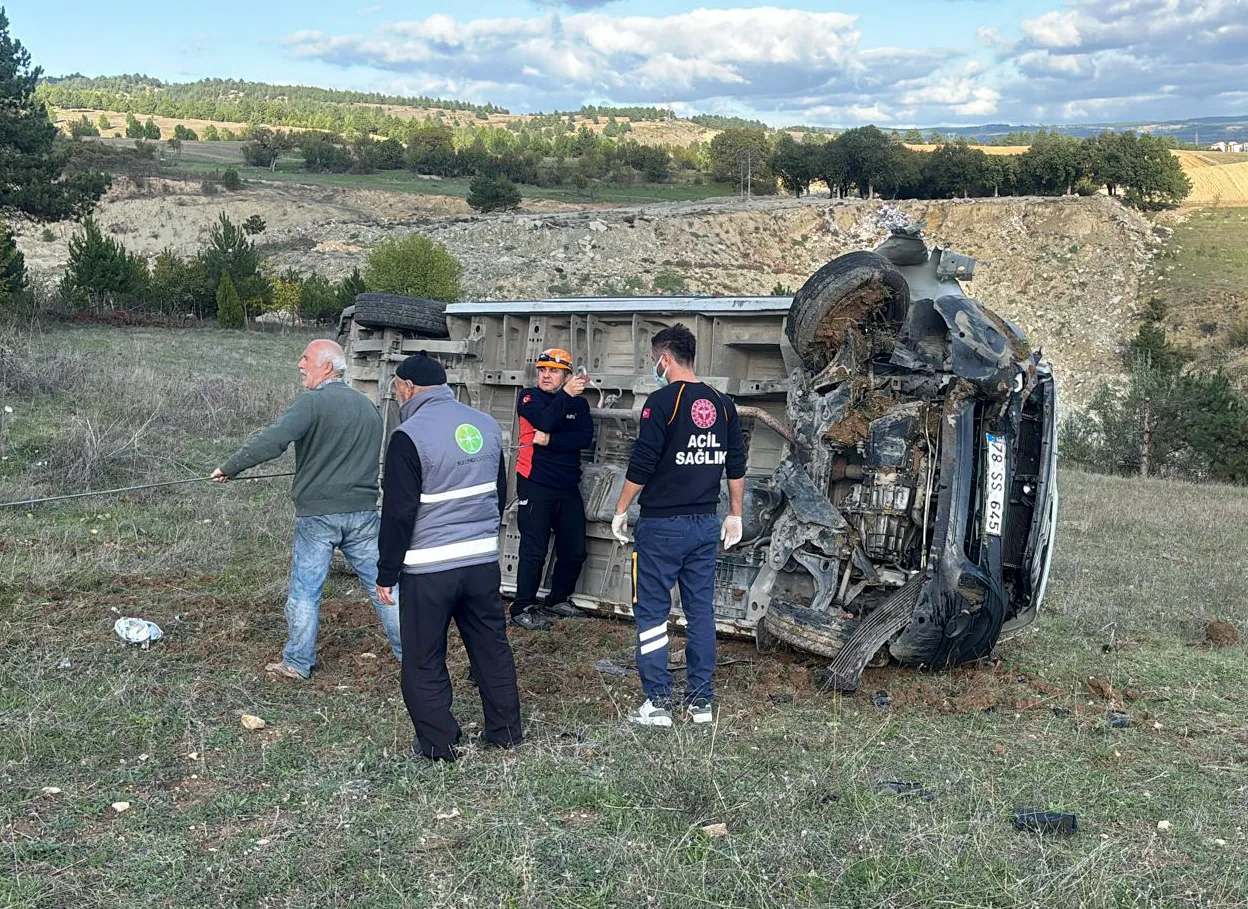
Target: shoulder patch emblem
x,y
645,413
527,399
704,413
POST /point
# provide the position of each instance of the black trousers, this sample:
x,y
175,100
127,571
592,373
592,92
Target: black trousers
x,y
548,510
427,603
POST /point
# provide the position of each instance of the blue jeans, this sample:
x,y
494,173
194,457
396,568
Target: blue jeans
x,y
669,552
355,533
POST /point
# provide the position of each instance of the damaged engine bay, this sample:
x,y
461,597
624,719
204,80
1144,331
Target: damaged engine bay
x,y
901,496
920,491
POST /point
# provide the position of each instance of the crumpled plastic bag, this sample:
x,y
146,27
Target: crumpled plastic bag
x,y
137,631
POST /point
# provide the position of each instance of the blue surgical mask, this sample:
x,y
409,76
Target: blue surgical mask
x,y
660,378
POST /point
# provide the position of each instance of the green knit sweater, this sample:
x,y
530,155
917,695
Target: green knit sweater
x,y
337,436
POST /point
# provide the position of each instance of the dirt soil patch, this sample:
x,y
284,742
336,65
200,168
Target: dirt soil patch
x,y
557,668
1221,633
967,689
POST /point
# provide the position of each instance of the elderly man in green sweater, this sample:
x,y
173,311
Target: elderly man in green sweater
x,y
337,436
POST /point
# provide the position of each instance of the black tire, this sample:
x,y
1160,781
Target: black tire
x,y
805,629
417,314
851,289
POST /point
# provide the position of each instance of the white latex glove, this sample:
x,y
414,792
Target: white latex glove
x,y
619,527
730,532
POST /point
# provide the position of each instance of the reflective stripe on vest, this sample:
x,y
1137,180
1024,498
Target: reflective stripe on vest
x,y
451,551
465,492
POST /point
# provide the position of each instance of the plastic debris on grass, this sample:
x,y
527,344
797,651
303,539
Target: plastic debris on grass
x,y
137,631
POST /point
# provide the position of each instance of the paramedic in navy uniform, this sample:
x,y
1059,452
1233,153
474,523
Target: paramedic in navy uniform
x,y
689,437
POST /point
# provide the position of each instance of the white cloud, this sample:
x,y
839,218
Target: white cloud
x,y
1088,58
780,63
1139,58
1056,29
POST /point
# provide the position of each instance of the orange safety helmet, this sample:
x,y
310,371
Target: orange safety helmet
x,y
555,357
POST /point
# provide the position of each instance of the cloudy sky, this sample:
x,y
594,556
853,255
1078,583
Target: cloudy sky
x,y
832,63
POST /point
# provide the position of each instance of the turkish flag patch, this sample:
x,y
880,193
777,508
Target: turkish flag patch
x,y
645,413
527,399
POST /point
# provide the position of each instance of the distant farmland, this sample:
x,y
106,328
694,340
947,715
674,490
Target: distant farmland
x,y
1216,177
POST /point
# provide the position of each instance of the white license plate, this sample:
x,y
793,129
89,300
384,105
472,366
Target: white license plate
x,y
994,486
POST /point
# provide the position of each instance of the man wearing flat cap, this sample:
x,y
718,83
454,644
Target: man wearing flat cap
x,y
445,490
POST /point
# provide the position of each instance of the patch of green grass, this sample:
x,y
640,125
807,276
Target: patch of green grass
x,y
1202,276
321,808
1208,255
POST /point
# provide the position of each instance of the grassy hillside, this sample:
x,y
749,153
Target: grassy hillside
x,y
321,808
1217,178
1202,279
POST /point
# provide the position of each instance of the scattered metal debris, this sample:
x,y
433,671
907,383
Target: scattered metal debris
x,y
903,788
608,667
1045,821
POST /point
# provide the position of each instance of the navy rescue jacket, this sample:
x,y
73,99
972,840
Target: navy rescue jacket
x,y
571,428
690,437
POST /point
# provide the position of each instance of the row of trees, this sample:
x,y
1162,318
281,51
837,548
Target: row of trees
x,y
233,101
433,150
1140,169
102,275
864,161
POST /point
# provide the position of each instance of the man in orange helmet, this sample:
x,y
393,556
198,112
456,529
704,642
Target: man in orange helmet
x,y
555,427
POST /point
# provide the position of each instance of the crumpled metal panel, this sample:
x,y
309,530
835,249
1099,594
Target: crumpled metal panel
x,y
809,504
889,436
983,354
955,265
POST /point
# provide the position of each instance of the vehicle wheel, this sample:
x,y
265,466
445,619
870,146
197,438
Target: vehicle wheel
x,y
417,314
856,288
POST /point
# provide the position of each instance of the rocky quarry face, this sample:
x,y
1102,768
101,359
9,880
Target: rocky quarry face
x,y
1067,270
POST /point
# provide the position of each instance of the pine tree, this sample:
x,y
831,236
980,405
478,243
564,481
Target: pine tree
x,y
230,311
487,194
32,158
12,264
349,288
101,271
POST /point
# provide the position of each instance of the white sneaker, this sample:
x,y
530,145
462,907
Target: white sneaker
x,y
652,714
700,711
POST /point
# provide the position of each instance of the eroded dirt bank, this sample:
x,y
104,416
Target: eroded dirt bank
x,y
1067,270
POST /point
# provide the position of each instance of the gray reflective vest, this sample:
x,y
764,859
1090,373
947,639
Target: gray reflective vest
x,y
459,450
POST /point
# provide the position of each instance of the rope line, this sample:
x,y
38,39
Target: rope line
x,y
106,492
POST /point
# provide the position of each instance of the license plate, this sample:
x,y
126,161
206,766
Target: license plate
x,y
994,486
